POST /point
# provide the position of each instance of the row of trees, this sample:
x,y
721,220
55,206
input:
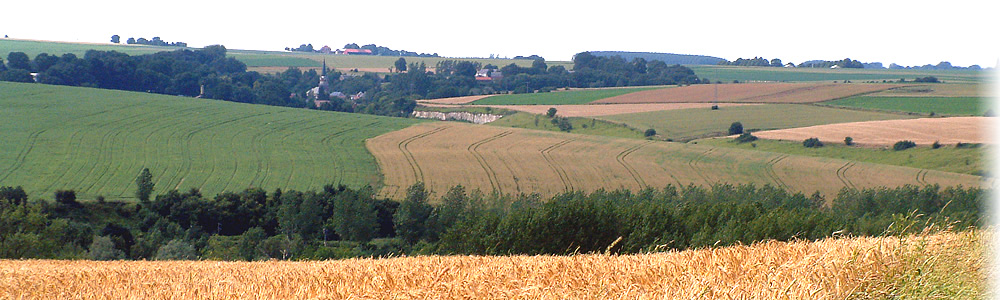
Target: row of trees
x,y
753,62
156,41
339,221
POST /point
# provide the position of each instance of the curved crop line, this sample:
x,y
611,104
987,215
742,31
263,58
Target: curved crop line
x,y
631,170
693,163
403,145
23,154
567,184
922,176
769,170
842,174
490,174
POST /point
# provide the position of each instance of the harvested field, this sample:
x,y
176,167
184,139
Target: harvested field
x,y
512,160
591,110
923,131
452,100
688,124
750,93
841,268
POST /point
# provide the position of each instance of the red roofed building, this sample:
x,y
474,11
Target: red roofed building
x,y
355,51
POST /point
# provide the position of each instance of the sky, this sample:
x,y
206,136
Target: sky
x,y
902,32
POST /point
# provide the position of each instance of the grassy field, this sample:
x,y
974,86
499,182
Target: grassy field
x,y
742,74
949,265
97,141
512,160
559,97
952,106
946,158
581,125
771,92
686,124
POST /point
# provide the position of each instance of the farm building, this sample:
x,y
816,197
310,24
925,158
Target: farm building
x,y
354,51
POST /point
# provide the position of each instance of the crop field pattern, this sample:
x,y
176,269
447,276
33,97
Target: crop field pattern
x,y
513,160
749,93
933,266
96,142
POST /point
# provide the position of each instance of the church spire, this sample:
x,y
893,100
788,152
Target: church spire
x,y
324,67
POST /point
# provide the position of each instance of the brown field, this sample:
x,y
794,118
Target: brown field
x,y
942,265
452,100
590,110
512,160
750,93
924,131
937,90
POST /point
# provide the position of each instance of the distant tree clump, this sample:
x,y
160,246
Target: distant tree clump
x,y
116,39
144,185
649,132
736,128
745,138
936,145
551,112
812,143
903,145
563,123
848,141
928,79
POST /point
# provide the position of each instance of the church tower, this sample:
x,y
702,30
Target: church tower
x,y
323,93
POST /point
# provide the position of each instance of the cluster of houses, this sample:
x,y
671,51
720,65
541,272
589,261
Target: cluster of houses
x,y
328,50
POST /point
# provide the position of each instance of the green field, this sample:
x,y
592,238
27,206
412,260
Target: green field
x,y
687,124
946,158
560,97
587,126
33,48
97,141
952,106
730,73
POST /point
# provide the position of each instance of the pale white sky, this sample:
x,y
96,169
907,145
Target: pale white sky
x,y
902,32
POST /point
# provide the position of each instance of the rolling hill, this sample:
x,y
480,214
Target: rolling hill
x,y
97,141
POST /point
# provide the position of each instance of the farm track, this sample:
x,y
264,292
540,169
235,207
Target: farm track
x,y
492,175
563,177
19,161
842,174
631,170
921,177
418,174
769,170
693,163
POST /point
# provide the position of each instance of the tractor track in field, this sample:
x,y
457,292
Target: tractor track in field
x,y
769,170
631,170
693,163
403,145
23,154
492,175
563,177
922,176
842,174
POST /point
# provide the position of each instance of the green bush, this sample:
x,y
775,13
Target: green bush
x,y
812,143
936,145
551,112
903,145
848,141
736,128
104,249
176,250
745,138
649,132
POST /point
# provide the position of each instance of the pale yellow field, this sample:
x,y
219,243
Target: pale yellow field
x,y
751,93
588,110
924,131
512,160
452,100
937,90
943,265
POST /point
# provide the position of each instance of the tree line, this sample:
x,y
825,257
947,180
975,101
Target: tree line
x,y
342,222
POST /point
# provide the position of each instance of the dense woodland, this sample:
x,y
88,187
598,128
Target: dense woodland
x,y
185,72
340,222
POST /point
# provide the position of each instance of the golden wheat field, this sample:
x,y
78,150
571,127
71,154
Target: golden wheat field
x,y
923,131
592,110
943,265
512,160
750,93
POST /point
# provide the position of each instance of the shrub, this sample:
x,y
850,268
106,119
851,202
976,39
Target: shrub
x,y
848,141
176,250
812,143
736,128
551,112
962,145
745,138
903,145
649,132
936,145
67,197
102,248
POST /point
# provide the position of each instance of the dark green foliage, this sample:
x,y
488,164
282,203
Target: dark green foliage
x,y
745,138
104,249
848,141
16,75
936,145
551,112
928,79
411,217
67,198
903,145
563,123
736,128
400,65
961,145
812,143
176,250
649,132
144,185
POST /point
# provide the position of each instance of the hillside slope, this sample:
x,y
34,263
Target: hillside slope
x,y
97,141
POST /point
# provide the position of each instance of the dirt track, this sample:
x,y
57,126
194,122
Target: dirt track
x,y
750,93
924,131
